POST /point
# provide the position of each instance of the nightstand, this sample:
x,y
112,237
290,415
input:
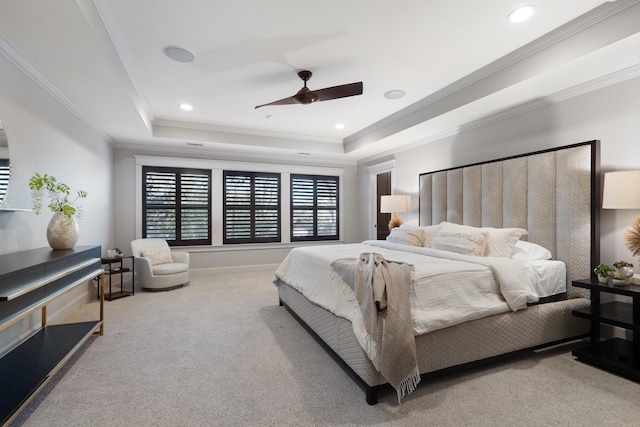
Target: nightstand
x,y
616,355
115,266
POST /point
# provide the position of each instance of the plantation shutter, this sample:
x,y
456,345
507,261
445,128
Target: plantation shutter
x,y
314,207
251,207
177,205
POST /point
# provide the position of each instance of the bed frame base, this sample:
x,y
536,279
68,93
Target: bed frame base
x,y
371,392
446,350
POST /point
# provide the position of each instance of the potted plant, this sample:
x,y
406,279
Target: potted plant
x,y
58,194
604,271
623,271
62,232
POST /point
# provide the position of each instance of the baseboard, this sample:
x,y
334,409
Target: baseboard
x,y
233,269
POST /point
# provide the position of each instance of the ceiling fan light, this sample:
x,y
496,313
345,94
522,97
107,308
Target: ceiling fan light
x,y
305,96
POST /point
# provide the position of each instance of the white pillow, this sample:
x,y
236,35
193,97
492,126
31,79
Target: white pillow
x,y
406,236
527,251
462,242
157,255
501,240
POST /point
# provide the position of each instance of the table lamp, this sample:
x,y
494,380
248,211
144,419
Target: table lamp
x,y
622,191
395,204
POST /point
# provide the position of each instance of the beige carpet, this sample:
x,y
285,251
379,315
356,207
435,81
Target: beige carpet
x,y
221,352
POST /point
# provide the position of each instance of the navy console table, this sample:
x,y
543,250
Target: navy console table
x,y
29,281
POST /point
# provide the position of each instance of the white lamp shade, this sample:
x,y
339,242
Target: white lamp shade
x,y
395,203
621,190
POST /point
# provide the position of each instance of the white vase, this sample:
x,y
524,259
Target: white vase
x,y
60,233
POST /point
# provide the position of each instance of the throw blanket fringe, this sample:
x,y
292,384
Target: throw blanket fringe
x,y
384,328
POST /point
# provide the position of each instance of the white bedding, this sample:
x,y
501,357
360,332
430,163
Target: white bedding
x,y
447,288
548,277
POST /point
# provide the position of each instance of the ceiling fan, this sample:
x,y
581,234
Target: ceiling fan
x,y
307,96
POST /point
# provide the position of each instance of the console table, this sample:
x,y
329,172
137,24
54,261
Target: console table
x,y
29,281
616,355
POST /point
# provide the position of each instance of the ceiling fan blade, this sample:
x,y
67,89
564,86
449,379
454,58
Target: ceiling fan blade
x,y
284,101
341,91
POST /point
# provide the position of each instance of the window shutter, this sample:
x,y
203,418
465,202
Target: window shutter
x,y
314,207
176,205
251,207
194,220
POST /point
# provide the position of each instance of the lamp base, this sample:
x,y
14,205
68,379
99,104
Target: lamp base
x,y
396,221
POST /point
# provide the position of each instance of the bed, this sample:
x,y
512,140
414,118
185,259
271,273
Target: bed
x,y
552,194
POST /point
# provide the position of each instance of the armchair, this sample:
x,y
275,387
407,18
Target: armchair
x,y
158,268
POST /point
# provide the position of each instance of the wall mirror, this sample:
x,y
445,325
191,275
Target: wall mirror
x,y
5,163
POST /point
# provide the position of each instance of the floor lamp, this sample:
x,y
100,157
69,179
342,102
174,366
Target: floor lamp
x,y
622,191
395,204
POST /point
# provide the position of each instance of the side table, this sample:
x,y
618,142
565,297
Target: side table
x,y
616,355
116,265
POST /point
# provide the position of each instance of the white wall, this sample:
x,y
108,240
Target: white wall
x,y
611,114
45,137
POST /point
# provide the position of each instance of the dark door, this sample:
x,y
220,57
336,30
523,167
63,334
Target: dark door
x,y
383,188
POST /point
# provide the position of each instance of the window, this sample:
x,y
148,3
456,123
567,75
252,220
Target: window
x,y
176,205
251,207
314,207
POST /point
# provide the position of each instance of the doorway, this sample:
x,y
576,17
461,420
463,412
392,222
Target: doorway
x,y
383,188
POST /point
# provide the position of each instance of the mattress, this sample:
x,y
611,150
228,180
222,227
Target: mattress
x,y
548,277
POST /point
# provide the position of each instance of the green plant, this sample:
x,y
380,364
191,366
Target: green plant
x,y
118,251
603,270
58,195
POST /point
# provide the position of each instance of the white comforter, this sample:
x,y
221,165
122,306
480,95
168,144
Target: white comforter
x,y
446,289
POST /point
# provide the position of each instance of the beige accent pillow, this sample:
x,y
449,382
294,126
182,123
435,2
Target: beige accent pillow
x,y
462,242
426,232
157,255
406,236
501,240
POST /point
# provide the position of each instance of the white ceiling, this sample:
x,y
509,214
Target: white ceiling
x,y
460,62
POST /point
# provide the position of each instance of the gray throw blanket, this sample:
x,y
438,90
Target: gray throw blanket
x,y
382,291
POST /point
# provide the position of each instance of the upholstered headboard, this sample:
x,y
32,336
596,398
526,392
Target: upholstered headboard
x,y
554,194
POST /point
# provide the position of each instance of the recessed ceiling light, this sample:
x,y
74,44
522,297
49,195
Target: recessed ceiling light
x,y
179,54
269,116
521,14
394,94
339,126
186,107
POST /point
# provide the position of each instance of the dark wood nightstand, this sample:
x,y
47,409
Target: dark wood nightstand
x,y
616,355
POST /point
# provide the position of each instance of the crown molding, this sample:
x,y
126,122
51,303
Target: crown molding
x,y
572,92
10,52
428,106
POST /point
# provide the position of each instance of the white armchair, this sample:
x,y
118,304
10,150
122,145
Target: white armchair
x,y
158,268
